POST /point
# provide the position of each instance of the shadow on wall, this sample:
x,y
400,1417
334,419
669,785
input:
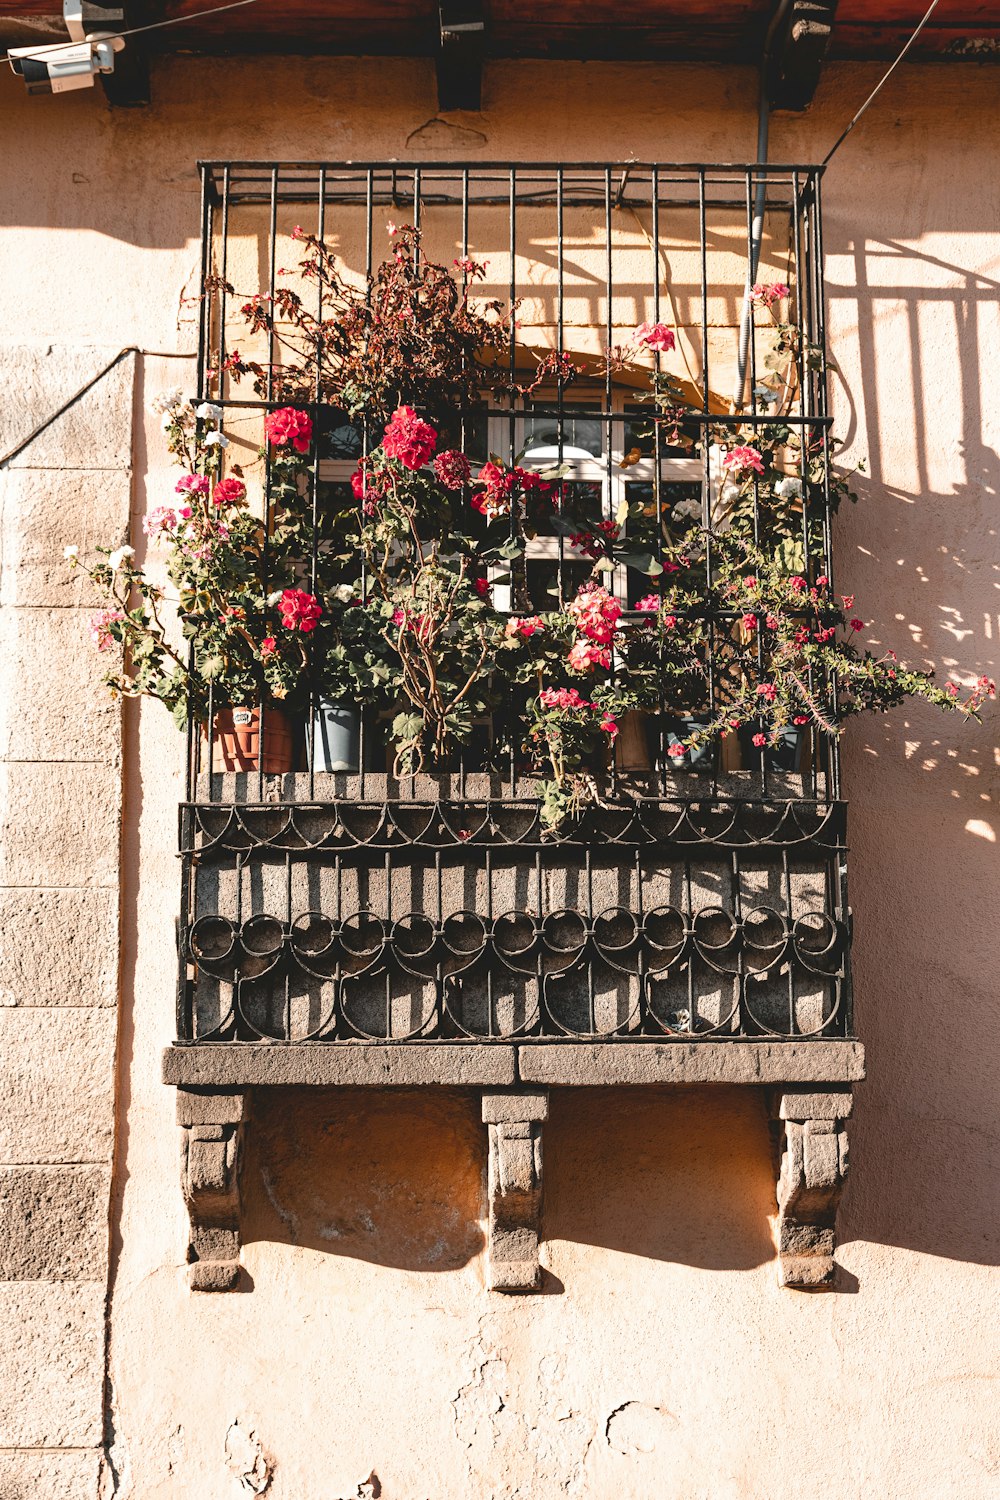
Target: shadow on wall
x,y
398,1178
924,869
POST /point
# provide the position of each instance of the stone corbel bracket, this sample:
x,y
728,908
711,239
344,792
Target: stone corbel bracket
x,y
515,1188
813,1167
212,1124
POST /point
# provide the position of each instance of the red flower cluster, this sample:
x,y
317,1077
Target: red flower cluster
x,y
654,336
595,614
452,469
502,485
570,699
229,492
768,292
561,698
596,544
299,610
585,655
289,428
742,460
420,625
525,626
408,439
366,488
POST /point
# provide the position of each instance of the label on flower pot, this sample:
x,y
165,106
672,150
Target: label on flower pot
x,y
242,716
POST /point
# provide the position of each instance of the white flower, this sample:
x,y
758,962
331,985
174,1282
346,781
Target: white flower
x,y
343,593
168,401
788,488
206,412
167,421
71,553
215,439
765,396
120,556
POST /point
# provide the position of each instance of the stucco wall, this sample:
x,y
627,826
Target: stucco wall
x,y
662,1359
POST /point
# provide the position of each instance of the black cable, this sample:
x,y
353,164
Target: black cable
x,y
129,349
885,78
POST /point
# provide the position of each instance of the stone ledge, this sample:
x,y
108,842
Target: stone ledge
x,y
351,1064
590,1064
457,1064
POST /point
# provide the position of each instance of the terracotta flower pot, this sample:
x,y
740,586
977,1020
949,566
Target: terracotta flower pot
x,y
632,745
236,741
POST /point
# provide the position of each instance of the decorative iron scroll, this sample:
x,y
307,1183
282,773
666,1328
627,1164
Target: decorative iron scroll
x,y
347,922
360,823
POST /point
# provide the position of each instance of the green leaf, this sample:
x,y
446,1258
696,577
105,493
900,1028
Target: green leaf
x,y
642,562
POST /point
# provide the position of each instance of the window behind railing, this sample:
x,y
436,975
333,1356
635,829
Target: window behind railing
x,y
695,897
634,438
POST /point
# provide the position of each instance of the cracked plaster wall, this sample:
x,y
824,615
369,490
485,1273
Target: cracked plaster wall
x,y
661,1359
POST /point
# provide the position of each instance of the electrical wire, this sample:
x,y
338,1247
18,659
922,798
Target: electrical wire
x,y
105,370
878,87
111,36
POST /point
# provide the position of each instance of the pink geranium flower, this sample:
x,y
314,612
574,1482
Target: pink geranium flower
x,y
452,469
767,293
192,484
654,336
525,627
299,610
585,655
289,428
159,521
561,698
743,459
408,439
100,627
595,614
229,492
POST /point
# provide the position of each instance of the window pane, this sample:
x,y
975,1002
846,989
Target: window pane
x,y
339,438
582,436
639,435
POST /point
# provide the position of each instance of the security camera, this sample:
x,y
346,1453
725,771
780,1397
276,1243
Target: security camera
x,y
61,66
73,65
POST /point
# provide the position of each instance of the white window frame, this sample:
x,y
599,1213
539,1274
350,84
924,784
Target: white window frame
x,y
612,478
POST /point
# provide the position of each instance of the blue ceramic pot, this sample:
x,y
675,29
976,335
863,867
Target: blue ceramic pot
x,y
678,731
336,737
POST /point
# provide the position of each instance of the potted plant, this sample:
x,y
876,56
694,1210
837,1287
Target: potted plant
x,y
247,626
564,729
797,662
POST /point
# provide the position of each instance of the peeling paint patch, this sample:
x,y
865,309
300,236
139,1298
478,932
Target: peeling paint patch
x,y
634,1427
246,1461
175,1448
368,1489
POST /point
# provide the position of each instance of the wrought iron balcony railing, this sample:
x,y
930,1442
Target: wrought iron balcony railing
x,y
688,902
354,918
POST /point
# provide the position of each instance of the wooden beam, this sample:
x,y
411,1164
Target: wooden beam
x,y
798,54
461,49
